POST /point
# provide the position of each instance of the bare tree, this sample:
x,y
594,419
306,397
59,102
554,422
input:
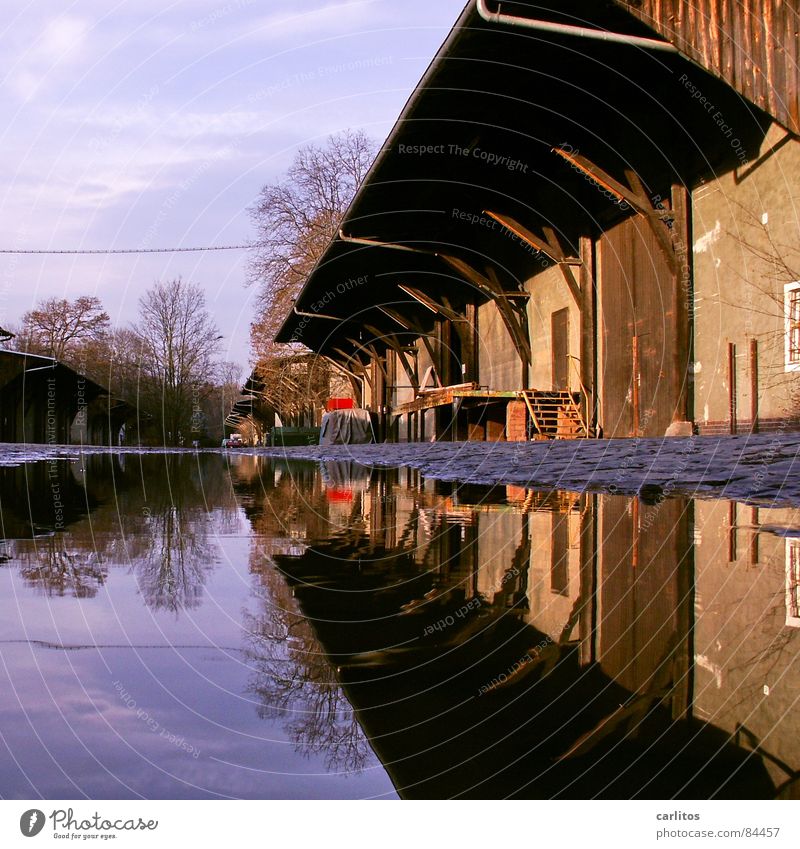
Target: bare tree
x,y
177,341
296,218
225,392
57,326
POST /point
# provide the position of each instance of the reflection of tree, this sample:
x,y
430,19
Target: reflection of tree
x,y
295,682
172,573
292,677
156,514
172,570
771,648
58,571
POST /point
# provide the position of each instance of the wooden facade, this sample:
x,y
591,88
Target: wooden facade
x,y
751,44
534,224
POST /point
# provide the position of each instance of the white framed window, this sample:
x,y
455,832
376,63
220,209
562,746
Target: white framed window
x,y
791,301
793,582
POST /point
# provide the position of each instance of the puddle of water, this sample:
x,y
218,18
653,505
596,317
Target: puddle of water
x,y
175,626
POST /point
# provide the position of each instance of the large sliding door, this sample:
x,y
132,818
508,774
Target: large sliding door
x,y
636,323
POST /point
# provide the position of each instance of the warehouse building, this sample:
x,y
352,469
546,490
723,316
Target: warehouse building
x,y
582,224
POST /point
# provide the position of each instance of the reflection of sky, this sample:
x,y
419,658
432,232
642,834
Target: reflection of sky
x,y
79,737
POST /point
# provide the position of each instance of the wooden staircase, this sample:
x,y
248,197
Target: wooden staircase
x,y
555,414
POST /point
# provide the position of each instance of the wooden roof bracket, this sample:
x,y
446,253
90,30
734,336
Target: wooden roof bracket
x,y
372,352
514,317
634,195
550,246
354,358
377,243
411,372
413,326
351,376
339,367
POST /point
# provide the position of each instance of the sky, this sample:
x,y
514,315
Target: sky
x,y
143,124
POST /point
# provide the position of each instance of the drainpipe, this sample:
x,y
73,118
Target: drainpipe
x,y
567,29
317,315
376,243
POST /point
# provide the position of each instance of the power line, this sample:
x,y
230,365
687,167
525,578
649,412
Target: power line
x,y
129,250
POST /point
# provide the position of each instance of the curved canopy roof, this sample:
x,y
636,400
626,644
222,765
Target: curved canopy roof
x,y
500,138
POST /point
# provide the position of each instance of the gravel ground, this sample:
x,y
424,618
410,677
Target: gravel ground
x,y
761,469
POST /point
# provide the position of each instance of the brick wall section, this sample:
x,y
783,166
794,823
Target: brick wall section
x,y
772,425
516,421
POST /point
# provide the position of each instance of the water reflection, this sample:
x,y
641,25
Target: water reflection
x,y
286,623
501,642
154,516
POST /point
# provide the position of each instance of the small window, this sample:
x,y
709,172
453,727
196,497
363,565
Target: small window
x,y
793,582
792,312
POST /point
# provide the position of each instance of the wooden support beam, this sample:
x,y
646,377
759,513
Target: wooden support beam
x,y
395,316
354,358
340,367
354,379
370,350
588,344
420,297
599,176
683,295
517,328
411,324
442,307
634,195
411,372
521,232
569,277
550,246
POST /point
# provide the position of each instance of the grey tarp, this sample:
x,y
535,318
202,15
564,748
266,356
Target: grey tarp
x,y
346,427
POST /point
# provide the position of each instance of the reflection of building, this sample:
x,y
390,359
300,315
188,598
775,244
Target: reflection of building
x,y
44,401
597,643
592,235
746,677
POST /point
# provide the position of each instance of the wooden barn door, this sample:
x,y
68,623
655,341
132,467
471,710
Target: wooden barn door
x,y
637,306
559,323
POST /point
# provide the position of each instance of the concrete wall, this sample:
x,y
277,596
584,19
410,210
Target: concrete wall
x,y
549,293
499,365
740,222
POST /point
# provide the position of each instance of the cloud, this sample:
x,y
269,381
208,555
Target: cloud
x,y
61,41
329,19
167,123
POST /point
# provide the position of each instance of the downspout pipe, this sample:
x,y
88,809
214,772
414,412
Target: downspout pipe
x,y
568,29
317,315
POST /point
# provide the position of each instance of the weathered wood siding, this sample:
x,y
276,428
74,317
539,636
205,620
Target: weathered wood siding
x,y
636,288
751,44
